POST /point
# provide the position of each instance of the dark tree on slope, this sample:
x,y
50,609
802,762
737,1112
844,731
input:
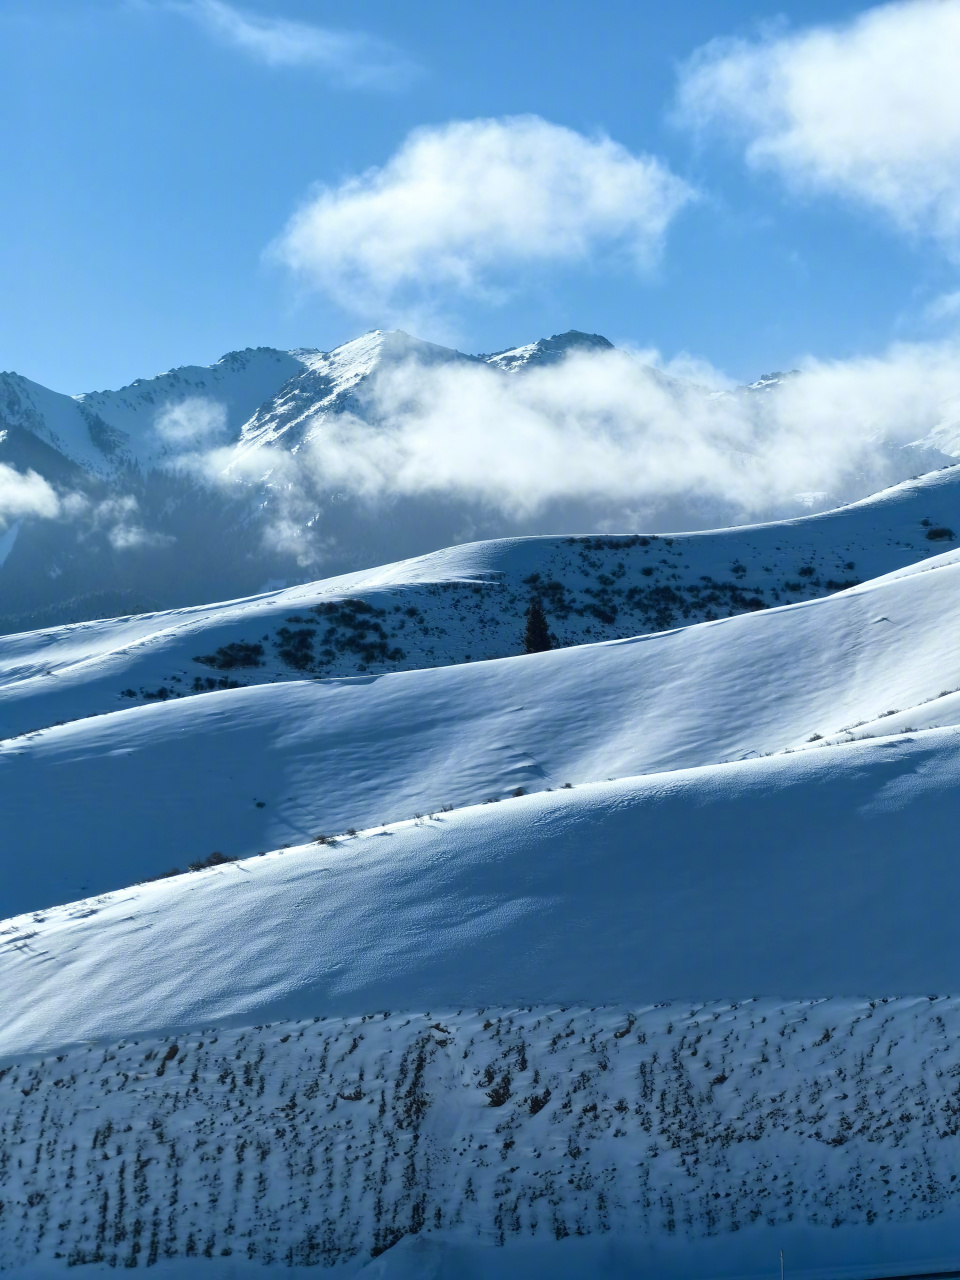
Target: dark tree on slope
x,y
536,638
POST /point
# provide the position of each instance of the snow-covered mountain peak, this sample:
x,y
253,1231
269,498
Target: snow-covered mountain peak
x,y
767,381
546,350
346,365
328,383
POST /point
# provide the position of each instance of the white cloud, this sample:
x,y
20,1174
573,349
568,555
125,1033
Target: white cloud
x,y
599,442
869,109
190,423
463,205
944,308
349,58
120,518
604,427
25,493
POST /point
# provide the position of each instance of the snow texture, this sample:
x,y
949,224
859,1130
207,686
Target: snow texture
x,y
331,1141
816,873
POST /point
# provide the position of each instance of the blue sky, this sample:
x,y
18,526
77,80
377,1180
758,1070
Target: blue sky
x,y
152,152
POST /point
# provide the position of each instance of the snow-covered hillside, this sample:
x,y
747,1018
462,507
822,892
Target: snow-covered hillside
x,y
504,1028
340,933
101,801
510,1136
814,873
467,604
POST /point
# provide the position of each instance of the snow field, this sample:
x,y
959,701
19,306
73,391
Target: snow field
x,y
467,603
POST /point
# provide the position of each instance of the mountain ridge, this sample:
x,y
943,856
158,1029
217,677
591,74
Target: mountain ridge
x,y
198,484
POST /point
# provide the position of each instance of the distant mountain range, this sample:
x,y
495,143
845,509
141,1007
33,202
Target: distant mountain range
x,y
196,484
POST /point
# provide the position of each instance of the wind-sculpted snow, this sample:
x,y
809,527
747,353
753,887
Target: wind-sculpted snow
x,y
330,1142
101,802
819,872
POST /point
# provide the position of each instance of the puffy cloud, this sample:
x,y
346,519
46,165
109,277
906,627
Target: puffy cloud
x,y
868,109
25,493
462,205
348,58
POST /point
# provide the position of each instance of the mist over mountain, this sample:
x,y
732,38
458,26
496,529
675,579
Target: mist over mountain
x,y
272,468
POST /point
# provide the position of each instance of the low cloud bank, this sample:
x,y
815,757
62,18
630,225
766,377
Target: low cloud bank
x,y
27,494
434,453
606,427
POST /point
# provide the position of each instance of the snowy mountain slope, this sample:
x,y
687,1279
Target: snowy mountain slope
x,y
53,419
814,873
497,1143
101,430
330,383
546,351
264,395
468,603
101,801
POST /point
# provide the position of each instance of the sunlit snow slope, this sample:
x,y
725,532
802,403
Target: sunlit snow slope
x,y
468,603
817,873
627,958
98,803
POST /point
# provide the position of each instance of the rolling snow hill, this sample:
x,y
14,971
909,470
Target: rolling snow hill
x,y
800,875
634,957
101,801
467,604
462,1042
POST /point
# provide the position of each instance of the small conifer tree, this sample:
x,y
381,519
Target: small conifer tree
x,y
536,638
